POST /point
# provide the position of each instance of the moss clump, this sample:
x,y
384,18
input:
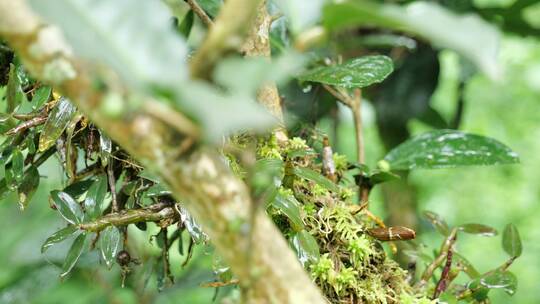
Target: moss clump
x,y
352,266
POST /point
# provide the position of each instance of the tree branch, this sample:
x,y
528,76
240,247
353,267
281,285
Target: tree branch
x,y
197,9
201,180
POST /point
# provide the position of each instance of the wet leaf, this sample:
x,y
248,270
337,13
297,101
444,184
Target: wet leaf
x,y
315,177
427,20
56,123
438,222
290,207
58,237
41,96
355,73
192,227
157,190
511,241
28,186
449,148
109,243
67,206
155,57
306,247
95,196
479,229
73,255
17,165
500,280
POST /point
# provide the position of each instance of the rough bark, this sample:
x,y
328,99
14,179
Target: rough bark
x,y
200,179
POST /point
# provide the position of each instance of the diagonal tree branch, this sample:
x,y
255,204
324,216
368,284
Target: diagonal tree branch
x,y
200,180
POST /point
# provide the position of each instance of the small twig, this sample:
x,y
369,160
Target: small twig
x,y
344,99
197,9
152,213
112,186
219,284
445,248
36,121
165,255
443,281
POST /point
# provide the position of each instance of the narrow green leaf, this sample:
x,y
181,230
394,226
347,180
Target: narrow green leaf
x,y
156,57
511,241
315,177
449,148
67,206
467,266
192,227
58,237
438,222
184,28
41,96
56,123
95,196
157,190
267,175
78,188
28,186
109,243
355,73
306,247
290,207
73,255
479,229
427,20
379,177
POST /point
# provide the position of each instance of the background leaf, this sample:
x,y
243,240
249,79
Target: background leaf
x,y
449,148
479,229
306,247
355,73
315,177
511,241
28,186
428,20
290,207
96,195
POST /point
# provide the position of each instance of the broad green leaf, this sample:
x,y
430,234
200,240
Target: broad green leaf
x,y
211,7
73,255
95,196
28,186
511,241
355,73
479,229
379,177
290,207
67,206
427,20
41,96
449,148
306,247
109,243
17,165
56,123
13,89
58,237
437,221
315,177
133,37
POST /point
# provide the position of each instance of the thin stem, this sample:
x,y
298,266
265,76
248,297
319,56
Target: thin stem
x,y
445,248
357,116
197,9
153,213
112,186
443,281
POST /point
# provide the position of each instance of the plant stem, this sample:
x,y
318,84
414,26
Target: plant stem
x,y
445,248
197,9
356,108
443,281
